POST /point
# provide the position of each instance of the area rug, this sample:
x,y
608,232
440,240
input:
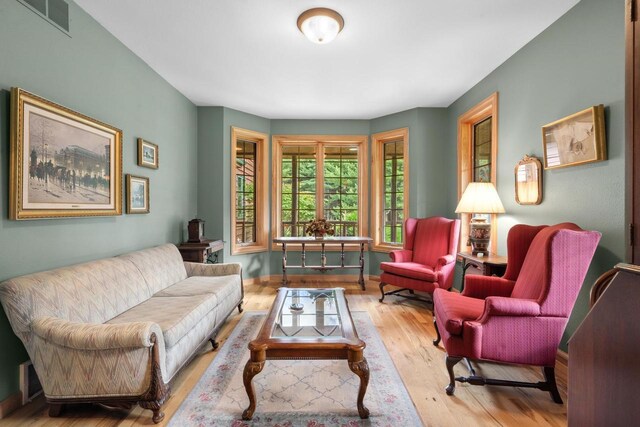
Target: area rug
x,y
308,393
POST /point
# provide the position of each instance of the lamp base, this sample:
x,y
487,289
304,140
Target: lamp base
x,y
479,236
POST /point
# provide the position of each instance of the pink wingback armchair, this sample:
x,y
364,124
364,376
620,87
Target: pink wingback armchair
x,y
427,260
520,317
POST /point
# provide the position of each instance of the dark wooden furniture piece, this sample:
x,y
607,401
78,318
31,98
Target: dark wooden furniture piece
x,y
604,353
307,324
488,265
304,241
632,128
206,251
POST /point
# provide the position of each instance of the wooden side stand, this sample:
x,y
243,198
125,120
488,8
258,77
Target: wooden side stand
x,y
488,265
202,251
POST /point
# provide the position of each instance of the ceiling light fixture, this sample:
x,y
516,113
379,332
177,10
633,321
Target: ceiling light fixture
x,y
320,25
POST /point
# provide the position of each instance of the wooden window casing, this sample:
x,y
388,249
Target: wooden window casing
x,y
390,192
249,191
486,109
331,195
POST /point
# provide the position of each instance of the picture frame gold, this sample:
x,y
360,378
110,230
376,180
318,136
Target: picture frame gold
x,y
137,194
576,139
528,181
148,154
62,163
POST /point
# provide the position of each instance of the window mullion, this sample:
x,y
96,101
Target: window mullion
x,y
320,180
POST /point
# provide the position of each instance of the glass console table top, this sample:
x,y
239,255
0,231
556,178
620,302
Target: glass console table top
x,y
308,314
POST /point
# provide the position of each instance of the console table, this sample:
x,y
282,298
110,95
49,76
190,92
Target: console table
x,y
340,241
202,251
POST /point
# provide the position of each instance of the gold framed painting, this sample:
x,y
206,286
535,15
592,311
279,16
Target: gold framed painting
x,y
62,163
147,154
576,139
137,194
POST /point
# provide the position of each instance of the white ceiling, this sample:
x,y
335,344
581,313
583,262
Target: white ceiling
x,y
392,55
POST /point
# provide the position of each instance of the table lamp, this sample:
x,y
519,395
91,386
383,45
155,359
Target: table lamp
x,y
480,198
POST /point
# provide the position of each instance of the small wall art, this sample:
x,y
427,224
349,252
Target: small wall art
x,y
137,194
576,139
528,175
147,154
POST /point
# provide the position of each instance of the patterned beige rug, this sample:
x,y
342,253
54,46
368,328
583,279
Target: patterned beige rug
x,y
308,393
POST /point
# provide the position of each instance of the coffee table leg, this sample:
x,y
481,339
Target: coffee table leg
x,y
361,369
251,369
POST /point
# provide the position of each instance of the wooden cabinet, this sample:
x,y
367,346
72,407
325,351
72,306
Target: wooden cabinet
x,y
205,251
604,353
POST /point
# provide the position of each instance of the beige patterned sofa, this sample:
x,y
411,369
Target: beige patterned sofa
x,y
117,330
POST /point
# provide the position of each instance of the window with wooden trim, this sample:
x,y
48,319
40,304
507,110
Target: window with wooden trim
x,y
319,177
477,154
248,191
390,179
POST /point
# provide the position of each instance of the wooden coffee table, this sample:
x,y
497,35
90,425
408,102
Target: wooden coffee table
x,y
307,324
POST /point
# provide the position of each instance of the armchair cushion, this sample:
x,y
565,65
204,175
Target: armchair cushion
x,y
412,270
453,309
502,306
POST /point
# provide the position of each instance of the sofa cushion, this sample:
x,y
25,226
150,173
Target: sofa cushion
x,y
410,269
221,286
176,316
161,266
452,310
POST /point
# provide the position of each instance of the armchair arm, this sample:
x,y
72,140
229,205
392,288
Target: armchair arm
x,y
401,255
501,306
227,269
444,260
477,286
92,336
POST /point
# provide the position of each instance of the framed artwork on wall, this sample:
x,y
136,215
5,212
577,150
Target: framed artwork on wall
x,y
575,139
147,154
137,194
62,163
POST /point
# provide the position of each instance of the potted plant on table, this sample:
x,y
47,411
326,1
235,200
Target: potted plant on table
x,y
319,228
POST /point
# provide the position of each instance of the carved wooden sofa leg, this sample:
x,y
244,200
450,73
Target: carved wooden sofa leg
x,y
214,343
55,409
438,337
382,291
158,391
240,309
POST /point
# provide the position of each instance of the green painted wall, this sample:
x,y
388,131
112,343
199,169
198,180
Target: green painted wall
x,y
93,73
427,164
576,63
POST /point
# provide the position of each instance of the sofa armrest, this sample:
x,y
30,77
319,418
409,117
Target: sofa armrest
x,y
501,306
227,269
401,255
92,336
478,286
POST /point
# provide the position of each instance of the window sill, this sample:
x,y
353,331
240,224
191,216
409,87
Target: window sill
x,y
242,250
385,248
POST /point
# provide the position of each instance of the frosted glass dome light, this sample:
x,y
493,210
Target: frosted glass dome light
x,y
320,25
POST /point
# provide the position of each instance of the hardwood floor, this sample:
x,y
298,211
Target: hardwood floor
x,y
407,331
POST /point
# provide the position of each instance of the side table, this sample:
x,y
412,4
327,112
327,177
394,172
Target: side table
x,y
201,252
488,265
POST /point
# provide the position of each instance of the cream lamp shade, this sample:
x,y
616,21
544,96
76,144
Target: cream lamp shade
x,y
320,25
480,198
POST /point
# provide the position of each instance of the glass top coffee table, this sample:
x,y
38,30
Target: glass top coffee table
x,y
307,324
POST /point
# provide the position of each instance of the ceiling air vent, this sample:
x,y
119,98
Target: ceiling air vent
x,y
56,12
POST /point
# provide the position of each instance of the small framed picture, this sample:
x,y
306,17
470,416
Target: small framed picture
x,y
137,194
147,154
575,139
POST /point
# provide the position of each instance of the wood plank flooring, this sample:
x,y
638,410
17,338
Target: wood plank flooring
x,y
407,331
